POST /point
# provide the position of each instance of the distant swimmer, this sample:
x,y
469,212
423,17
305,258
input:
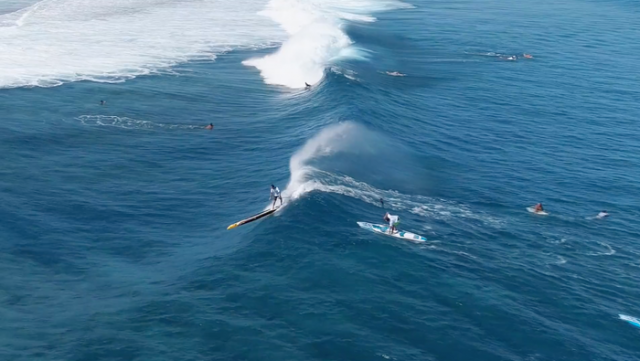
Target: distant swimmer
x,y
275,194
209,127
509,58
395,73
307,86
538,208
527,56
102,102
602,214
382,202
393,222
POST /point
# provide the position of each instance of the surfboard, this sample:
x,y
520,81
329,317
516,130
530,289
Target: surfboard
x,y
382,229
533,210
632,320
253,218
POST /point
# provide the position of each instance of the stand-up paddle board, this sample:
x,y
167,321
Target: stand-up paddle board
x,y
382,229
253,218
533,210
632,320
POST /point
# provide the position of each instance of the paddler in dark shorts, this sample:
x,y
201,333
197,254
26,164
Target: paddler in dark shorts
x,y
275,194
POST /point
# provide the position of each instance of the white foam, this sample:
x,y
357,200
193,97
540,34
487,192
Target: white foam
x,y
316,37
629,318
328,141
8,6
55,41
347,73
610,251
128,123
347,136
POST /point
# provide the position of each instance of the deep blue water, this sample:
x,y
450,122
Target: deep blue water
x,y
114,217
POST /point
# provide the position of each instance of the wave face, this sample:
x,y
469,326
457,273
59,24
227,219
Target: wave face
x,y
114,214
316,38
57,41
335,142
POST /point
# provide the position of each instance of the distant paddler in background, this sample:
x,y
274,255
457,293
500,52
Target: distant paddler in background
x,y
393,222
275,195
395,73
538,208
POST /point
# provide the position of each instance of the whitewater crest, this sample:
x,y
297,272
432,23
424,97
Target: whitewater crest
x,y
349,137
56,41
316,37
50,42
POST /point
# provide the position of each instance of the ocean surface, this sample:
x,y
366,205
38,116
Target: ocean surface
x,y
113,217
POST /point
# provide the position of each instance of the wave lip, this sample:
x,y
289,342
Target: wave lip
x,y
316,37
337,140
58,41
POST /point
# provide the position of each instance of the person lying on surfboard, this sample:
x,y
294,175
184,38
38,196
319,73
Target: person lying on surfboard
x,y
538,208
393,222
275,194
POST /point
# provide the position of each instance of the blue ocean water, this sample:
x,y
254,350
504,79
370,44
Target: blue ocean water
x,y
114,217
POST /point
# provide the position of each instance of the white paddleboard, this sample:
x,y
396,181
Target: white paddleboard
x,y
533,210
382,229
632,320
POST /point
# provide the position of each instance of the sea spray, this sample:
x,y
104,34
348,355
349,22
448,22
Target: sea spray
x,y
330,140
57,41
317,38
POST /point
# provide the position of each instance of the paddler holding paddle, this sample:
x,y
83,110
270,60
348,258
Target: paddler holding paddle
x,y
275,194
393,222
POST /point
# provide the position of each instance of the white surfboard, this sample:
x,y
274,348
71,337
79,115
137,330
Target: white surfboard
x,y
540,213
382,229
